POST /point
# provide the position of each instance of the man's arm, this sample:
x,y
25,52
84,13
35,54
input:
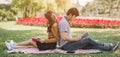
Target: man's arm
x,y
66,38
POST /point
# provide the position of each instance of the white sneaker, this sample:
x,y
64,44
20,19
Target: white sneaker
x,y
115,46
9,51
12,43
8,45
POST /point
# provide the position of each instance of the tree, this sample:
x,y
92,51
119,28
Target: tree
x,y
28,7
63,5
101,6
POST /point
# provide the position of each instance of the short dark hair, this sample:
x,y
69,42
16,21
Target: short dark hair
x,y
73,11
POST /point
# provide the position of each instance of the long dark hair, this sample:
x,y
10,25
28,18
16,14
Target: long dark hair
x,y
49,15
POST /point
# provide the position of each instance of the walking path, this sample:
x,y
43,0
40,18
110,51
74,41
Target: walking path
x,y
11,25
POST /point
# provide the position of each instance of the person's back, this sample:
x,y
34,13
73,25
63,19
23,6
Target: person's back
x,y
64,26
53,36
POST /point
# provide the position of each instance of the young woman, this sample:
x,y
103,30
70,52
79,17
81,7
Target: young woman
x,y
49,43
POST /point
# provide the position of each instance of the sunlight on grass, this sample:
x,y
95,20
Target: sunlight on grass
x,y
11,25
117,52
18,36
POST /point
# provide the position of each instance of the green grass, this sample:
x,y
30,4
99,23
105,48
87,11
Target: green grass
x,y
102,35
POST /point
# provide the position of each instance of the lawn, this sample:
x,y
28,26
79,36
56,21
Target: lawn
x,y
102,35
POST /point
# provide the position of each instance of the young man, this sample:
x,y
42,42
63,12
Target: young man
x,y
81,42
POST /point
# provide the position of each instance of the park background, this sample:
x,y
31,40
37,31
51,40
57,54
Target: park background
x,y
23,19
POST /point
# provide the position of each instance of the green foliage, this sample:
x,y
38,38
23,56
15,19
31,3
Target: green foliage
x,y
29,8
14,10
7,14
101,7
3,13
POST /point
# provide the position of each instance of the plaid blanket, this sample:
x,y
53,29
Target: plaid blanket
x,y
36,51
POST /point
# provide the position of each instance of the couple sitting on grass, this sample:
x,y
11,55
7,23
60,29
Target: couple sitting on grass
x,y
60,33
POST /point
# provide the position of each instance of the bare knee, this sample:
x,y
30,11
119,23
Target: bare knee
x,y
33,43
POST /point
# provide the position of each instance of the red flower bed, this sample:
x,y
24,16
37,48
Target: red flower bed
x,y
95,23
77,22
41,21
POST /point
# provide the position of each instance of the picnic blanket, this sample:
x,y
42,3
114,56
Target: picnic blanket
x,y
36,51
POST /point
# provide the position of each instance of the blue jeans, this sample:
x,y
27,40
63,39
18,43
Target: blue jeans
x,y
86,43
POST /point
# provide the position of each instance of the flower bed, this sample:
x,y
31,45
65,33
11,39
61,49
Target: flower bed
x,y
95,23
77,22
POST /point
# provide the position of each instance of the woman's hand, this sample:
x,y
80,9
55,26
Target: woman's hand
x,y
42,41
36,39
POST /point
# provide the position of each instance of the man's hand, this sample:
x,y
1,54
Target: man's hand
x,y
85,34
80,37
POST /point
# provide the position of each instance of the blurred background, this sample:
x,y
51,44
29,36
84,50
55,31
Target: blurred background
x,y
15,9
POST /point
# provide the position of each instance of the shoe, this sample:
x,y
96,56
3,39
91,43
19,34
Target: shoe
x,y
10,51
115,46
108,44
85,34
8,45
12,43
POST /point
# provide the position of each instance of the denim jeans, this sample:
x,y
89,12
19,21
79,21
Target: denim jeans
x,y
86,43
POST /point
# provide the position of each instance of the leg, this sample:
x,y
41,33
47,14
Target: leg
x,y
28,46
81,44
104,48
28,43
95,45
76,45
92,42
107,47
